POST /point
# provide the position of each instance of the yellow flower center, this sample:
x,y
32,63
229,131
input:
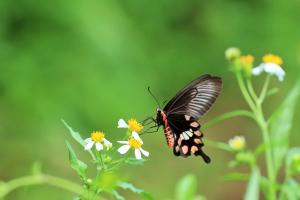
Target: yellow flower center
x,y
248,59
97,136
134,143
133,125
270,58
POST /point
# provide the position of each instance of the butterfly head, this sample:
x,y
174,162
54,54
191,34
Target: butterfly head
x,y
160,117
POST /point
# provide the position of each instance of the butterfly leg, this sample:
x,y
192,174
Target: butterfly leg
x,y
148,121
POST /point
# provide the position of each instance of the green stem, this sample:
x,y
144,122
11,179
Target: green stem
x,y
245,92
256,108
7,187
264,90
228,115
251,90
268,153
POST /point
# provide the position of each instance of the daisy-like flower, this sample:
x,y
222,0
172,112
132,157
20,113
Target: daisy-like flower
x,y
271,65
97,138
133,125
134,142
237,143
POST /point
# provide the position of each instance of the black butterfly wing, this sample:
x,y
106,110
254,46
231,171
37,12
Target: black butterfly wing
x,y
187,136
196,98
185,109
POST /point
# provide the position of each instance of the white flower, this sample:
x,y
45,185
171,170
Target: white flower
x,y
97,138
133,125
271,65
134,142
237,143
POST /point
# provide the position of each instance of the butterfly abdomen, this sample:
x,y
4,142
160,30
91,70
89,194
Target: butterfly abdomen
x,y
167,130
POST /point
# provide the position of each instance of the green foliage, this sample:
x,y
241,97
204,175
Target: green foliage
x,y
131,187
275,138
79,166
186,188
281,123
252,192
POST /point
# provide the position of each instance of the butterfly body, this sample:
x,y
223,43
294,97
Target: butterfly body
x,y
181,114
162,120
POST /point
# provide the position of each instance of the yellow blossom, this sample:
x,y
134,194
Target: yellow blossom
x,y
134,125
97,136
134,143
271,58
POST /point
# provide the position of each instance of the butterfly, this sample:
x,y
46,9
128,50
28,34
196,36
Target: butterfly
x,y
180,116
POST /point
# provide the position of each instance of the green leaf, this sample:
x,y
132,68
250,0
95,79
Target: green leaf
x,y
74,134
291,167
79,166
129,186
186,188
236,176
77,137
291,190
117,195
252,192
133,161
281,122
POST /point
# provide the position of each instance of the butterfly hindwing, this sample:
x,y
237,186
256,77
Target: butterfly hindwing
x,y
188,138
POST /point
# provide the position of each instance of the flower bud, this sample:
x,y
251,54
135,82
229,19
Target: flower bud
x,y
237,143
232,53
296,163
247,64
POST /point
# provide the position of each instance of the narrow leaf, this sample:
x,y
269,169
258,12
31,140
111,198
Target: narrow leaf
x,y
77,137
74,134
117,195
281,123
252,192
133,161
186,188
131,187
79,166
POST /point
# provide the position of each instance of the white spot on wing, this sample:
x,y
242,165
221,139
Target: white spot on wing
x,y
189,133
185,136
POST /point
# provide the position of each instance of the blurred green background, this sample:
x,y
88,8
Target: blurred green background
x,y
90,62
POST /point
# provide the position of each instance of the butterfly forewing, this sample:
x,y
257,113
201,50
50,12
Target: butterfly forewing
x,y
196,98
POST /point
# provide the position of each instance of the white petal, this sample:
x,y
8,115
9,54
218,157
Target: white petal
x,y
88,140
123,142
138,154
271,68
88,144
107,143
123,149
99,146
257,70
146,153
136,136
122,124
275,69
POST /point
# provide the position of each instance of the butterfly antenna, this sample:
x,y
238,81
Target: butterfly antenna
x,y
153,96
